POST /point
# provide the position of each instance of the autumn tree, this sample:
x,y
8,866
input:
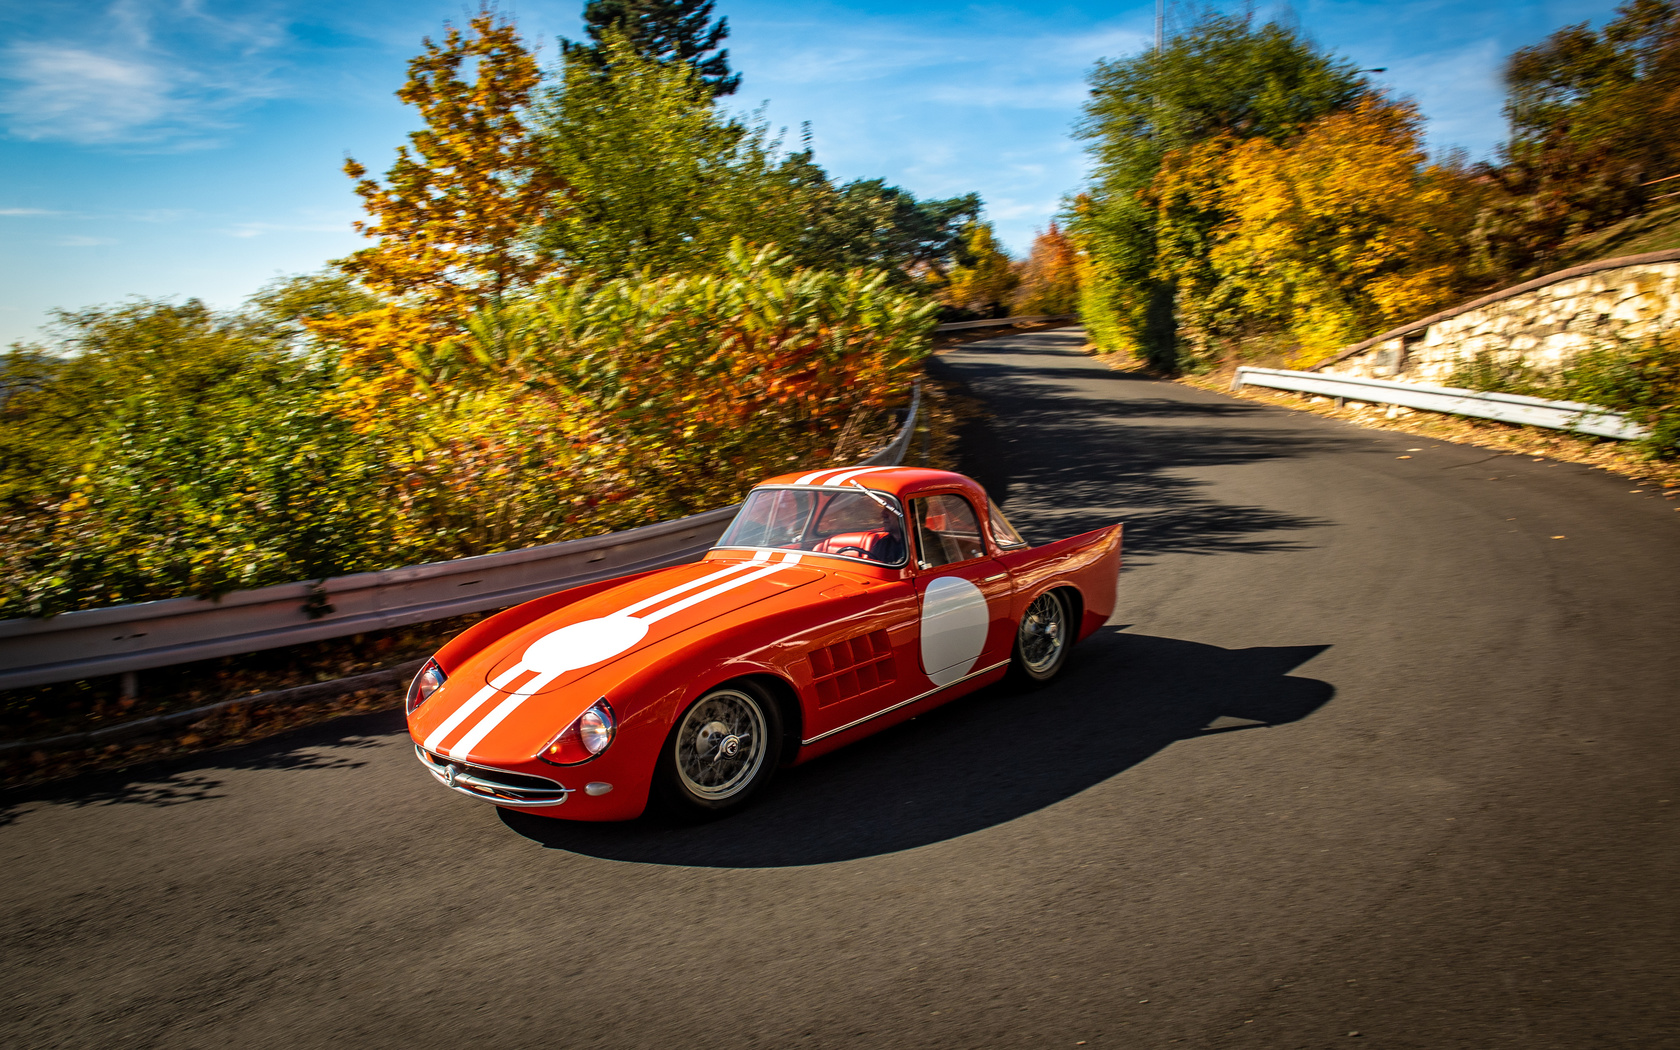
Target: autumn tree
x,y
1595,117
452,220
980,284
1343,230
666,31
1224,77
1049,277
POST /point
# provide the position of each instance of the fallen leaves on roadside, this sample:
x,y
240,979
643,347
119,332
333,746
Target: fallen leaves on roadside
x,y
241,724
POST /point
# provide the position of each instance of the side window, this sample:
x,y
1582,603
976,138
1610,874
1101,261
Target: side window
x,y
1003,533
947,531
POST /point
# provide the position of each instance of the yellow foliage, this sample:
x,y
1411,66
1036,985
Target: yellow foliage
x,y
983,284
1335,234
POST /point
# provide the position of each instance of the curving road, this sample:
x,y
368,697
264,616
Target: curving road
x,y
1367,750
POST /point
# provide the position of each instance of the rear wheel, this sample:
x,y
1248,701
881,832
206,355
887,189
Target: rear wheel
x,y
722,751
1043,639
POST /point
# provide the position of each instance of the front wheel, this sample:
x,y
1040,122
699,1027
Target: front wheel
x,y
1043,639
723,749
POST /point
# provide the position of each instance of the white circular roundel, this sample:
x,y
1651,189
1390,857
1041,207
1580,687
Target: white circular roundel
x,y
581,644
954,622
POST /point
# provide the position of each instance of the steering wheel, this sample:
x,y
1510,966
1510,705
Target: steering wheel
x,y
853,552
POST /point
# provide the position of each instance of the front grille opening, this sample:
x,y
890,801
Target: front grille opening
x,y
495,785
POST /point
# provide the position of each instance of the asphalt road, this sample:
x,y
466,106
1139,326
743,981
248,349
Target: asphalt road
x,y
1366,750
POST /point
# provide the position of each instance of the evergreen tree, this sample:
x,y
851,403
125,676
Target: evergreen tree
x,y
868,223
665,30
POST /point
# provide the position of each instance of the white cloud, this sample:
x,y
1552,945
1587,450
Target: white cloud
x,y
158,215
142,72
77,95
84,242
27,211
258,229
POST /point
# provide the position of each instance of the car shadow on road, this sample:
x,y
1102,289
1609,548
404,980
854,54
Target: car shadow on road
x,y
1062,462
979,761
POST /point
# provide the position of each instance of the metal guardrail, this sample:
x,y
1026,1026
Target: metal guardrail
x,y
1506,408
152,725
957,326
119,638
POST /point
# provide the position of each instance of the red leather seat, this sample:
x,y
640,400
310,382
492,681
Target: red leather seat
x,y
873,544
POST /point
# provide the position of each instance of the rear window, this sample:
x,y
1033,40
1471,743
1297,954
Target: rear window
x,y
1003,533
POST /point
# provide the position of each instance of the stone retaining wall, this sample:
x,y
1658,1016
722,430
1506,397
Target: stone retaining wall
x,y
1542,322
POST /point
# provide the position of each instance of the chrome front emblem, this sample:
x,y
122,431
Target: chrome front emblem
x,y
449,774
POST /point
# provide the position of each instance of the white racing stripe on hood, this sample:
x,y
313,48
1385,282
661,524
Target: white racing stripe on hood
x,y
631,610
463,747
468,709
695,599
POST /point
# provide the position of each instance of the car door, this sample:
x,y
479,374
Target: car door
x,y
962,592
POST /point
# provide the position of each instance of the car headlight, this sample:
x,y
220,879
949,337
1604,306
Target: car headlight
x,y
585,738
428,681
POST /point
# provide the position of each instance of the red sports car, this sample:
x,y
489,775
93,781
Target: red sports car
x,y
837,603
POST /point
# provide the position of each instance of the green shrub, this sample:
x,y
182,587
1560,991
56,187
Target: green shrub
x,y
161,450
1506,373
679,392
164,451
1638,378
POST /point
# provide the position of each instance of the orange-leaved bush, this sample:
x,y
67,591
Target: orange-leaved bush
x,y
979,285
674,394
1049,277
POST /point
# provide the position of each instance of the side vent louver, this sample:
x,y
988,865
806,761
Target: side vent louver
x,y
851,667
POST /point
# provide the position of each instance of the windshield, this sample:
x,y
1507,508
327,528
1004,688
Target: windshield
x,y
849,523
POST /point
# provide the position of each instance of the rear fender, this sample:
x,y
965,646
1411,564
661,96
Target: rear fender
x,y
1089,564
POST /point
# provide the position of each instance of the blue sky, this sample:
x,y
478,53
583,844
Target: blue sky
x,y
173,148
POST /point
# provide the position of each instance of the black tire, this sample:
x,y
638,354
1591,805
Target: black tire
x,y
724,748
1043,640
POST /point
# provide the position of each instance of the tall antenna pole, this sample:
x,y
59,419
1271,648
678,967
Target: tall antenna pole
x,y
1160,21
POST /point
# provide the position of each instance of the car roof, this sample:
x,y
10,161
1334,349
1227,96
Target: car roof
x,y
902,482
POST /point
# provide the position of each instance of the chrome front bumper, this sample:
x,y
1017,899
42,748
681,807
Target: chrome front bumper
x,y
503,787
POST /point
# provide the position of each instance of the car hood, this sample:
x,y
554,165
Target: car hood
x,y
507,701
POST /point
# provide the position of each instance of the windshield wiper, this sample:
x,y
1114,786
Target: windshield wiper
x,y
876,496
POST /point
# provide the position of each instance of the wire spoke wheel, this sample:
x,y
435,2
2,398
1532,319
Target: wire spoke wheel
x,y
721,744
1041,643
